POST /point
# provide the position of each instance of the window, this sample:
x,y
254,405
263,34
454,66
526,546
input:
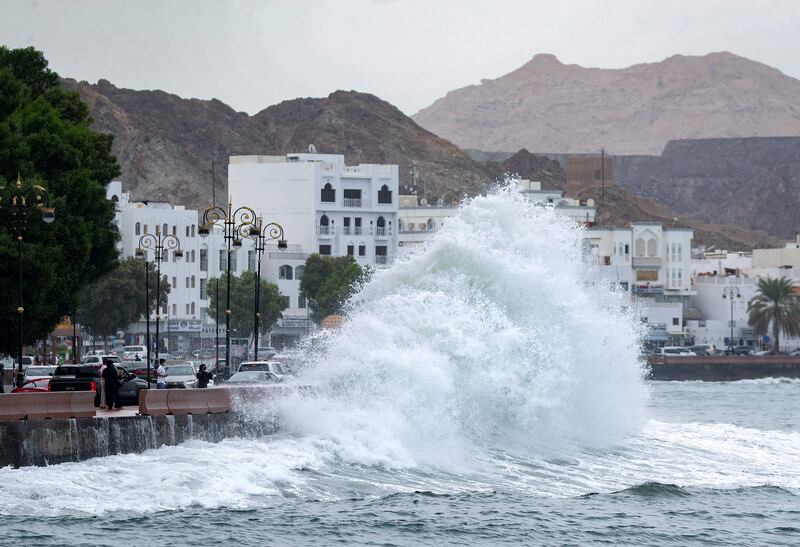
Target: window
x,y
174,230
193,256
680,252
301,302
675,321
325,249
203,260
357,230
327,194
347,229
298,272
652,247
234,255
380,254
174,282
251,261
165,255
145,229
187,309
430,224
193,308
193,279
164,231
350,250
381,226
187,231
352,198
222,260
164,309
192,230
285,271
285,301
623,285
362,250
138,228
187,282
324,223
384,195
203,289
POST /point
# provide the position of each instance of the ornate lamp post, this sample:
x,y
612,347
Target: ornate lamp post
x,y
270,232
160,244
236,224
21,200
731,292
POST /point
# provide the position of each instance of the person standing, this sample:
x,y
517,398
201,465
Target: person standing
x,y
111,376
203,377
2,377
161,375
100,398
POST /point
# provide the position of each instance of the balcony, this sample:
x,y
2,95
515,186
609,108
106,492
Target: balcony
x,y
381,260
382,231
358,230
324,230
347,230
647,261
352,202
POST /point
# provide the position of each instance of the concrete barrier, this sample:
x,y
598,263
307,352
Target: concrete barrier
x,y
218,400
723,368
43,406
187,401
153,402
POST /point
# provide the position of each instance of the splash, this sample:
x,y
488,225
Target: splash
x,y
490,337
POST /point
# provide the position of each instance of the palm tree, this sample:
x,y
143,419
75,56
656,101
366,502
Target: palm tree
x,y
775,303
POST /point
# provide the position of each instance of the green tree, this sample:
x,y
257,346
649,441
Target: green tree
x,y
328,282
118,299
271,303
775,304
45,137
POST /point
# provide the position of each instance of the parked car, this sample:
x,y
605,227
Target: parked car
x,y
34,385
740,350
87,377
130,353
181,376
38,371
702,349
27,360
97,360
253,378
674,351
264,353
274,367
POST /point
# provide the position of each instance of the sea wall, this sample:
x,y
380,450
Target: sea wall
x,y
723,368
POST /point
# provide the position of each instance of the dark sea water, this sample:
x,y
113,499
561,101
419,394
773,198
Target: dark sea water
x,y
715,464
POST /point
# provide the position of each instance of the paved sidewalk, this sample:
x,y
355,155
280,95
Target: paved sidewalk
x,y
125,411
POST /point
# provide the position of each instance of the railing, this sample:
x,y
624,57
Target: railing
x,y
650,261
358,230
323,230
380,230
347,230
352,202
381,259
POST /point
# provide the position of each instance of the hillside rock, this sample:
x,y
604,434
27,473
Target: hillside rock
x,y
753,183
547,106
165,143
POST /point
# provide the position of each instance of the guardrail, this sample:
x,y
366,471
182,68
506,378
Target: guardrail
x,y
723,367
46,405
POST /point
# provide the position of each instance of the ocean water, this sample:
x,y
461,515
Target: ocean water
x,y
482,392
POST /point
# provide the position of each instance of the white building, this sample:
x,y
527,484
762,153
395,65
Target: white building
x,y
324,207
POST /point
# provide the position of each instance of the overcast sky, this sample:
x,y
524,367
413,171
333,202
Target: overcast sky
x,y
254,53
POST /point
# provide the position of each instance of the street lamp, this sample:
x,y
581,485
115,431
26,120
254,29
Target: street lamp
x,y
732,292
270,232
236,224
21,200
160,244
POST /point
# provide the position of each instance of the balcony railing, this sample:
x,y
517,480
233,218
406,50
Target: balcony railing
x,y
358,230
381,259
324,230
347,230
352,202
380,231
646,262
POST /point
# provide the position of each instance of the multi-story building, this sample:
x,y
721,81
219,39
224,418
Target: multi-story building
x,y
325,207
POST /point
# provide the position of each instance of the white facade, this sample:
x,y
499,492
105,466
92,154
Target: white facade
x,y
324,207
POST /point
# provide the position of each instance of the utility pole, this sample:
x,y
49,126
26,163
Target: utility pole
x,y
602,174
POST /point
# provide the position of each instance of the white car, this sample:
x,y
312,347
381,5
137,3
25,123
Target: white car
x,y
130,353
274,367
674,351
98,359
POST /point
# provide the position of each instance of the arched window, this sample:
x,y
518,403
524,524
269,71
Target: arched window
x,y
285,272
639,247
680,252
323,221
327,194
138,228
384,195
298,272
114,199
381,222
652,247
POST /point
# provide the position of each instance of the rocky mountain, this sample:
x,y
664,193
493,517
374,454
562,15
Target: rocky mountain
x,y
752,183
165,143
548,106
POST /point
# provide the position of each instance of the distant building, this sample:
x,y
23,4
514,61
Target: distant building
x,y
325,207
